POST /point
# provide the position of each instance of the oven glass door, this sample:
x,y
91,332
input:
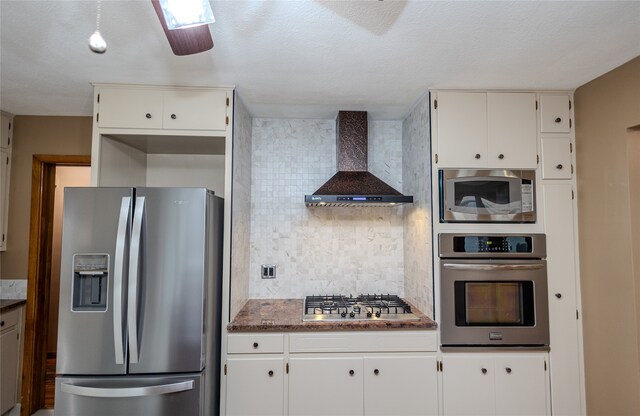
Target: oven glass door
x,y
494,303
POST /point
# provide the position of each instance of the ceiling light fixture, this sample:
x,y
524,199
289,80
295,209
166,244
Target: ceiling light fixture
x,y
96,42
180,14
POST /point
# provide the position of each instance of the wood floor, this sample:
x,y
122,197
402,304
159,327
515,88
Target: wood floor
x,y
50,381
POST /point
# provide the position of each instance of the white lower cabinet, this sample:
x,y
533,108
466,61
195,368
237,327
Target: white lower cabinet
x,y
400,385
490,384
255,386
325,386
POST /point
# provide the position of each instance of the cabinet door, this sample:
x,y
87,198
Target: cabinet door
x,y
462,129
135,109
511,124
521,387
195,110
4,197
556,158
9,361
554,114
255,386
325,386
400,386
564,355
468,386
5,131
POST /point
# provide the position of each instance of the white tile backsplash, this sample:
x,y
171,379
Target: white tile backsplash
x,y
321,250
13,288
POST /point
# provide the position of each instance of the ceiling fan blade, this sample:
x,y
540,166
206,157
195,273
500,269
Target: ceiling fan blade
x,y
186,41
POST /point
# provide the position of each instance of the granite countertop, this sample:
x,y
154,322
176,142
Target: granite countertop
x,y
285,315
6,304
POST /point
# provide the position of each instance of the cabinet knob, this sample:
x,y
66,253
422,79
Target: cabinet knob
x,y
255,345
508,370
500,156
148,115
559,166
477,156
558,295
351,372
376,371
484,371
558,120
270,373
173,117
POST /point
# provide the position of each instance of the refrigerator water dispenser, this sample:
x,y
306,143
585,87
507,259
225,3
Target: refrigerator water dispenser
x,y
90,282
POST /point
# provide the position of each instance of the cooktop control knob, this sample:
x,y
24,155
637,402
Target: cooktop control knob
x,y
343,314
368,314
378,314
352,314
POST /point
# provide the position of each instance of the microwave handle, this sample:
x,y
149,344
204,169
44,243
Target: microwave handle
x,y
481,266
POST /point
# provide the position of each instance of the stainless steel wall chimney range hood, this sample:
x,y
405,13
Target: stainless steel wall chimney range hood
x,y
353,185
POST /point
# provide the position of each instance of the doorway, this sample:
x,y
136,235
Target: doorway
x,y
50,174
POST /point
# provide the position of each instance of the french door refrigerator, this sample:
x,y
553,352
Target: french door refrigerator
x,y
140,302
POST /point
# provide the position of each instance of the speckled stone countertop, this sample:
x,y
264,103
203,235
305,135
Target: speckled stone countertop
x,y
6,304
285,315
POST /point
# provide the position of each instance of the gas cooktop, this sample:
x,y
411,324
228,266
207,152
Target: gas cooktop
x,y
361,307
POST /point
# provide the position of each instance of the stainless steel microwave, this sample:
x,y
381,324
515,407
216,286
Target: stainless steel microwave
x,y
487,195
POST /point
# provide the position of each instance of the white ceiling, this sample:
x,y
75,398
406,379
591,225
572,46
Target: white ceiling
x,y
311,58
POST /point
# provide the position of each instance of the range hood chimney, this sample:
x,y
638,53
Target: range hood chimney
x,y
353,185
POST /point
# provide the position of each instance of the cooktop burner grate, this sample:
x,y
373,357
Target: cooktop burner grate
x,y
337,307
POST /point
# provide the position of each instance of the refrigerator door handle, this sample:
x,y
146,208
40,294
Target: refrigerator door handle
x,y
121,241
128,391
134,262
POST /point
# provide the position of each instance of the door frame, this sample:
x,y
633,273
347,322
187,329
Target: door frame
x,y
43,175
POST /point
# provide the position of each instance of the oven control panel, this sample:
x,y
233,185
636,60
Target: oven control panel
x,y
492,245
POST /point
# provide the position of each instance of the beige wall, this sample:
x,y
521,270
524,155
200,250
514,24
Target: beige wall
x,y
35,135
606,108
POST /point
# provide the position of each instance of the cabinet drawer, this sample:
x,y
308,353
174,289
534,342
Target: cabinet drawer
x,y
363,342
255,343
554,114
9,319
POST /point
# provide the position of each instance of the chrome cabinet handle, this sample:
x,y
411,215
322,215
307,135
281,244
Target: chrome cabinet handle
x,y
173,117
559,166
148,115
477,156
351,372
376,371
508,370
255,345
484,371
270,373
558,295
500,156
558,120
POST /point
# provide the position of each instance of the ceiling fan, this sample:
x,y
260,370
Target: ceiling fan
x,y
187,40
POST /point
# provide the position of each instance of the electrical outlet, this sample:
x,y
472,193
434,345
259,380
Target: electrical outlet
x,y
269,271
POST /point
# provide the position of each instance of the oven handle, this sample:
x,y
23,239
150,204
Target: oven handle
x,y
481,266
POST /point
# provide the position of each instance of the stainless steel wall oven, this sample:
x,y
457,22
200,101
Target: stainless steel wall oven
x,y
493,290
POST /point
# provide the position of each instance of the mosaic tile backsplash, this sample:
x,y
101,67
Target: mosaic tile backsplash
x,y
321,250
13,288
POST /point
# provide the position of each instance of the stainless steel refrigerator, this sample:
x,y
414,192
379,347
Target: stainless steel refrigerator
x,y
140,302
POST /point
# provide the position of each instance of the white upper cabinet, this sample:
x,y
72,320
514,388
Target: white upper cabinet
x,y
163,108
5,137
556,157
512,130
462,129
555,113
486,130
